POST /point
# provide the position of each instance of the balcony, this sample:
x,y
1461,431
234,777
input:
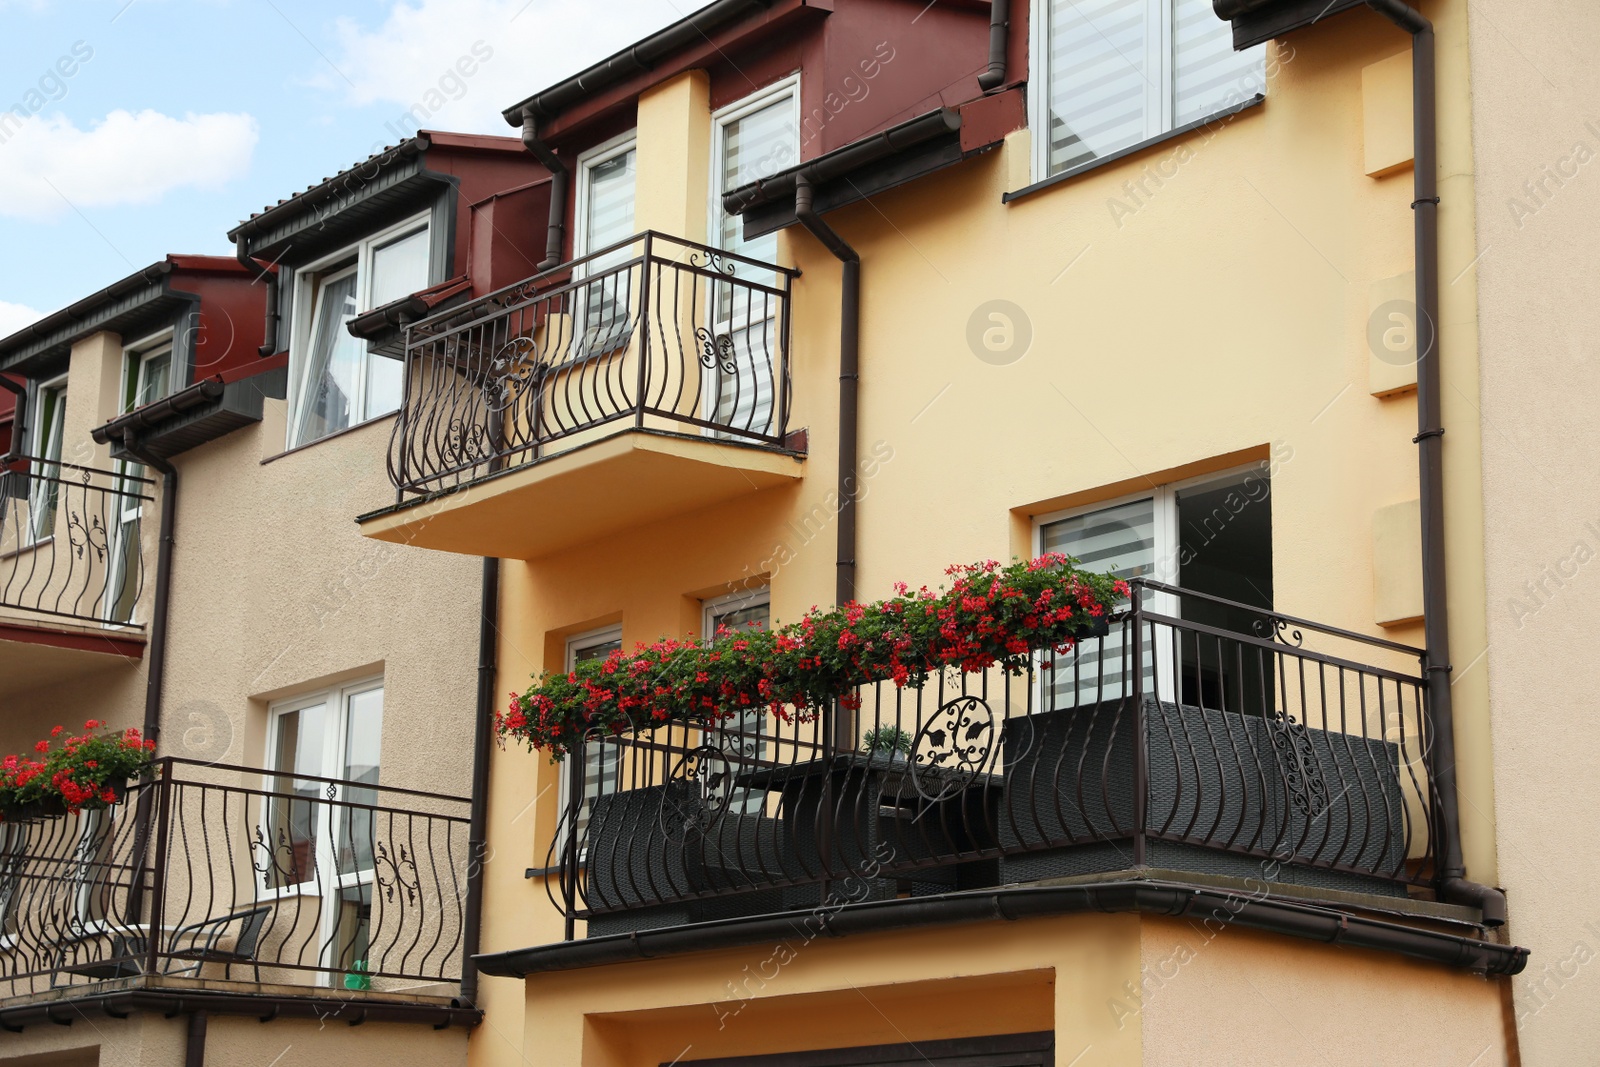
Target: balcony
x,y
647,380
240,881
1197,740
71,568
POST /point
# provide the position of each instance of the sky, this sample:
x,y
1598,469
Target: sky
x,y
134,128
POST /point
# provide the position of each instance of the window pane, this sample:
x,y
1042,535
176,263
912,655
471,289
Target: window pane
x,y
754,146
294,820
1098,79
362,747
600,760
1121,541
610,207
385,383
1208,75
155,376
399,268
329,385
47,487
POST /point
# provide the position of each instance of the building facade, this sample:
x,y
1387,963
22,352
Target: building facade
x,y
852,295
190,445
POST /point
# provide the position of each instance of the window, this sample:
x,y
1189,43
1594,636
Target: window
x,y
600,762
324,835
147,376
337,383
753,138
1212,535
606,181
48,437
1120,71
748,609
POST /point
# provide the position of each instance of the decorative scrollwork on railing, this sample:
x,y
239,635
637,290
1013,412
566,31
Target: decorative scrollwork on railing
x,y
85,534
274,862
465,442
953,747
708,769
1273,628
716,350
396,871
510,371
1297,762
714,261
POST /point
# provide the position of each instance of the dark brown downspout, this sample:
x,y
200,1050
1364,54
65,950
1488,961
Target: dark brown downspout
x,y
269,342
194,1053
844,586
999,34
156,649
560,177
1453,885
478,817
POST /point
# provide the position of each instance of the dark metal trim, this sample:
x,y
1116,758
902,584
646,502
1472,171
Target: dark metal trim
x,y
331,187
1258,21
1206,904
1133,149
251,1005
1000,1050
78,319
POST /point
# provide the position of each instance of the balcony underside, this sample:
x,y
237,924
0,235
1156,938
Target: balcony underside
x,y
616,483
37,654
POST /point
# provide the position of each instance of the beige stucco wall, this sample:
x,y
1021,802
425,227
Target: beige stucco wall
x,y
1537,135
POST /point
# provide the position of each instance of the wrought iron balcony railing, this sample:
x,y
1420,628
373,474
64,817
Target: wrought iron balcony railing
x,y
653,333
221,872
70,544
1197,734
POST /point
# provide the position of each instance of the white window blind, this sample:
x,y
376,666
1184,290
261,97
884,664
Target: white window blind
x,y
1121,71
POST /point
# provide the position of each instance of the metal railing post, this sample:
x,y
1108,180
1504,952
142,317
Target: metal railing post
x,y
1141,741
644,323
570,859
158,886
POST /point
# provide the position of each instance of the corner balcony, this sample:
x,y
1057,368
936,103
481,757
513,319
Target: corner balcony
x,y
240,883
1202,757
72,554
648,380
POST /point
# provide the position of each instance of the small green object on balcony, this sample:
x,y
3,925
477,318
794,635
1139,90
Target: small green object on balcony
x,y
889,740
357,978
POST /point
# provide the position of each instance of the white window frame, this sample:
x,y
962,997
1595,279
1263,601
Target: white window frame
x,y
744,801
735,324
309,278
587,161
569,659
1165,564
1159,103
130,507
733,112
336,698
38,448
336,734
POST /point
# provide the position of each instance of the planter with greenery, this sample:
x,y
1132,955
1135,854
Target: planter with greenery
x,y
87,771
989,616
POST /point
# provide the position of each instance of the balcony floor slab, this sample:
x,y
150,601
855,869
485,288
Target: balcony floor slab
x,y
619,482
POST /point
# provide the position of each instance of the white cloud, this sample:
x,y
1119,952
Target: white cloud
x,y
14,317
49,166
410,61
